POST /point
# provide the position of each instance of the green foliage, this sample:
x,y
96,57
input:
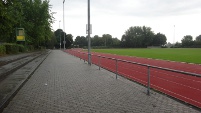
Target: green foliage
x,y
198,38
11,48
137,36
106,41
80,41
30,48
97,41
52,42
9,17
187,41
2,50
59,35
198,42
69,40
100,47
22,48
159,40
107,38
116,42
177,45
181,55
33,15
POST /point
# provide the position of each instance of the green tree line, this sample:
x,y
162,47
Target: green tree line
x,y
188,42
134,37
34,16
106,40
142,37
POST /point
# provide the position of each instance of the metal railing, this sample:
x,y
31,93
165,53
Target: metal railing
x,y
84,56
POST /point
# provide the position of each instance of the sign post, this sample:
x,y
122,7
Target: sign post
x,y
20,34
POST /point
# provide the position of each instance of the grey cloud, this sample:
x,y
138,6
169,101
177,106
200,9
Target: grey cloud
x,y
147,8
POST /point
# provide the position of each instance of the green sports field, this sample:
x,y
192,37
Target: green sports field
x,y
188,55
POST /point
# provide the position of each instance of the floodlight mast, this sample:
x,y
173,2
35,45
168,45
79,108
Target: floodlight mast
x,y
174,36
64,25
89,38
59,34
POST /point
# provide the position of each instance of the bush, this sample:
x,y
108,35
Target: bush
x,y
100,47
11,48
21,48
30,48
2,50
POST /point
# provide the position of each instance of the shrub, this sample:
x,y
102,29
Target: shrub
x,y
11,48
21,48
30,48
2,50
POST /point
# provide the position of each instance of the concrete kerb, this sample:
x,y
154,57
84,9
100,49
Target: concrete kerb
x,y
9,97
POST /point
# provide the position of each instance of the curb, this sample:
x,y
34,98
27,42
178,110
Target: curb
x,y
10,96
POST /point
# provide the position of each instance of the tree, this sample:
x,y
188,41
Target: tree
x,y
69,40
115,42
10,16
59,34
177,45
97,41
34,16
38,18
198,38
138,37
148,36
51,43
187,41
81,41
198,41
107,39
159,40
123,41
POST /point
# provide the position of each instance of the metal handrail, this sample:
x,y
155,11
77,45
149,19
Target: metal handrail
x,y
152,66
141,64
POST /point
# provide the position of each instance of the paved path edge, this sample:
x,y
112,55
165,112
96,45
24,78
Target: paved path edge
x,y
20,85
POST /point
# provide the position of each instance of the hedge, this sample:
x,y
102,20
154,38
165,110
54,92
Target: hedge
x,y
21,48
2,50
11,48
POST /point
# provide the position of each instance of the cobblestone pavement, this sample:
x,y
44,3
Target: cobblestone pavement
x,y
64,84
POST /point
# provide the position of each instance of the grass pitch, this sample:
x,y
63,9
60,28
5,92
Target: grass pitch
x,y
189,55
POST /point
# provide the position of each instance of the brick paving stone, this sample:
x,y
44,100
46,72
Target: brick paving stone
x,y
64,84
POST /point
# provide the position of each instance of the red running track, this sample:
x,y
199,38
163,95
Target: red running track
x,y
183,87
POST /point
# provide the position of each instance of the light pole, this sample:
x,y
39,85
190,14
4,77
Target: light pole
x,y
89,38
64,25
174,35
60,34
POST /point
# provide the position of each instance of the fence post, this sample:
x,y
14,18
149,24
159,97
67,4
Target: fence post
x,y
80,55
84,57
116,68
90,58
99,61
148,81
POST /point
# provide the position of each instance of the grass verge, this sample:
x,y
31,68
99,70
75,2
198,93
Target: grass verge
x,y
189,55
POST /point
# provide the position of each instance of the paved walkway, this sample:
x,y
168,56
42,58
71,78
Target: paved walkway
x,y
64,84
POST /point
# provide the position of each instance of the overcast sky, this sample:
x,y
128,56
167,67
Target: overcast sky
x,y
116,16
